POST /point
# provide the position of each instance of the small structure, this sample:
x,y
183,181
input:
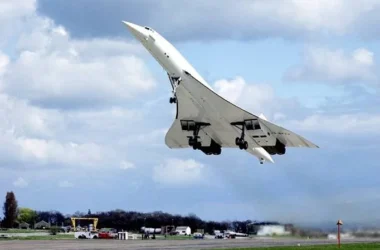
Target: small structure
x,y
183,230
23,225
42,225
126,236
74,219
168,229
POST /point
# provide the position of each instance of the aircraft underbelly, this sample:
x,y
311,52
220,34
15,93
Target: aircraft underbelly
x,y
220,130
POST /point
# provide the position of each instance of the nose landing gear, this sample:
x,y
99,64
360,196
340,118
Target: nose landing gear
x,y
173,100
175,81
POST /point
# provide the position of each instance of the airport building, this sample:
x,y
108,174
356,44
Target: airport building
x,y
183,230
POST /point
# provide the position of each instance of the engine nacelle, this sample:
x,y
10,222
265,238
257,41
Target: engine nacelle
x,y
213,149
278,149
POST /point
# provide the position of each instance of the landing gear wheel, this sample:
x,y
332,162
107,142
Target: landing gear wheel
x,y
196,145
173,100
237,141
241,143
193,142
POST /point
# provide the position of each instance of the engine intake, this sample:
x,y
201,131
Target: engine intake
x,y
278,149
213,149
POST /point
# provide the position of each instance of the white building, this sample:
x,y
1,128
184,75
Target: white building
x,y
183,230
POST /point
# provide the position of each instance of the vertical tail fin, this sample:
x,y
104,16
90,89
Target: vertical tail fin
x,y
263,117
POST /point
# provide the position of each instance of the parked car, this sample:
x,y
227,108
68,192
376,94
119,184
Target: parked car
x,y
198,236
107,233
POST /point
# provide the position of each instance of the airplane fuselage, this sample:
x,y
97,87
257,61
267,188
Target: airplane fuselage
x,y
223,132
170,59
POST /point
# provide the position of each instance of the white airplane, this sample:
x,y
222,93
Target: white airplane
x,y
206,121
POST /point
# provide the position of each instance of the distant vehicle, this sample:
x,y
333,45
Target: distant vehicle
x,y
198,236
233,235
150,230
107,233
86,235
219,236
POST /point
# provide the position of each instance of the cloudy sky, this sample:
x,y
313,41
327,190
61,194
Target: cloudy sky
x,y
85,108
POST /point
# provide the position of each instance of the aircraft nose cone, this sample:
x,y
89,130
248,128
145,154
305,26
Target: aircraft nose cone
x,y
131,26
138,31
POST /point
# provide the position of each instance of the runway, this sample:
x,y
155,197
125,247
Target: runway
x,y
163,244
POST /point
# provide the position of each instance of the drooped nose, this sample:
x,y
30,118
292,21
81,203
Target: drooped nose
x,y
139,32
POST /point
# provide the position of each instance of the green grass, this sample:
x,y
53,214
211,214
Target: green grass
x,y
361,246
42,237
21,231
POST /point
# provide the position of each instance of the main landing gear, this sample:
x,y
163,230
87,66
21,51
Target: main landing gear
x,y
189,125
239,141
193,140
175,81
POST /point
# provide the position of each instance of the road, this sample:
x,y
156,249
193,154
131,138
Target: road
x,y
162,244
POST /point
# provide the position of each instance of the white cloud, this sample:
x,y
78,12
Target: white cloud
x,y
36,136
178,172
352,124
45,67
4,61
53,69
334,66
20,182
127,165
65,184
51,151
11,14
255,98
27,120
260,98
239,19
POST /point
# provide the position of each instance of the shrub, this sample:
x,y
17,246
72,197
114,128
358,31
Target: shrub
x,y
54,230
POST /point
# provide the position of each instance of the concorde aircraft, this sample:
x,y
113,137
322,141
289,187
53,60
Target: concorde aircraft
x,y
206,121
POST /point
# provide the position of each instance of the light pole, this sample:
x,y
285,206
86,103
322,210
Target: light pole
x,y
339,223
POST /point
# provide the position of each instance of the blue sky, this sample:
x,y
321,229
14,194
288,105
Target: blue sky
x,y
86,108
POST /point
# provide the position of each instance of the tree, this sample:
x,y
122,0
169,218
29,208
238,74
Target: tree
x,y
54,217
10,210
27,215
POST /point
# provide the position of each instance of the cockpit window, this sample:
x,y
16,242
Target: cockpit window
x,y
147,28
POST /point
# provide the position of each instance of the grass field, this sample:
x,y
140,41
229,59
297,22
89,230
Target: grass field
x,y
42,237
21,231
360,246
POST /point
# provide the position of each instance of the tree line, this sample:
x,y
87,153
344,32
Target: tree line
x,y
118,219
